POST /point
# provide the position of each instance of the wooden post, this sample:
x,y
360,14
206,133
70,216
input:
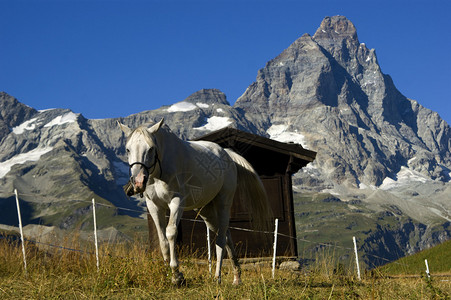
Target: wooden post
x,y
208,248
356,257
21,231
275,247
95,232
427,268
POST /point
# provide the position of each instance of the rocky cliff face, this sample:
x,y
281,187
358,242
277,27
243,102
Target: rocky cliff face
x,y
374,145
384,158
12,113
202,112
55,154
330,89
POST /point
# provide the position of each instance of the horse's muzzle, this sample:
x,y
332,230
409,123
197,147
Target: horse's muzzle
x,y
140,182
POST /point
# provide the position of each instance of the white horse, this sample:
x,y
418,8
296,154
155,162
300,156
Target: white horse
x,y
191,175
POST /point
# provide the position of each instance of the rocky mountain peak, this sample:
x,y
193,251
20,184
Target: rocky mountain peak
x,y
336,28
12,113
365,129
338,36
208,96
303,46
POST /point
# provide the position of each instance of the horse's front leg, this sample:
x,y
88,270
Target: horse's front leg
x,y
176,211
158,215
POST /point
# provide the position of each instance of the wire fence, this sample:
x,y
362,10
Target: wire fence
x,y
275,233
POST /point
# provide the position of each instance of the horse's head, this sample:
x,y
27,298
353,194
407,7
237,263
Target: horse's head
x,y
142,154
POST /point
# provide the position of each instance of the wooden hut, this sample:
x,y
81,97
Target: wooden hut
x,y
275,162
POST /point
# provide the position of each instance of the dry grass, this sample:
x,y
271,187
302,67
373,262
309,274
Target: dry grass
x,y
130,272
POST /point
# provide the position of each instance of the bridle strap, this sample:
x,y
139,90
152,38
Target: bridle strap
x,y
153,166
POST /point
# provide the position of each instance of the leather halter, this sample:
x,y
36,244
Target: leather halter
x,y
153,166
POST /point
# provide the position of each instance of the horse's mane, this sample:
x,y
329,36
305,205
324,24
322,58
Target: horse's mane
x,y
143,129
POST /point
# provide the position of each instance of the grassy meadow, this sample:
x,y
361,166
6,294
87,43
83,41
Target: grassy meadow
x,y
131,272
439,261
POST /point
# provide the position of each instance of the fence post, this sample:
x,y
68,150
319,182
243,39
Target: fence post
x,y
356,257
21,231
427,268
208,248
95,232
275,247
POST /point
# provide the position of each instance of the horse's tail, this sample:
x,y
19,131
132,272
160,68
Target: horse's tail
x,y
252,191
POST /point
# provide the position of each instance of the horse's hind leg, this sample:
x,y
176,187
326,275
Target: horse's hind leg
x,y
216,215
221,239
209,214
224,240
230,247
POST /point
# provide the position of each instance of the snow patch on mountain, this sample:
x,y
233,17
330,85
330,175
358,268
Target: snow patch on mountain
x,y
280,133
202,105
27,125
215,123
44,110
69,117
364,186
404,176
182,107
33,155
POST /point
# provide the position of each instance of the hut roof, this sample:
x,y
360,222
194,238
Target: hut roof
x,y
277,156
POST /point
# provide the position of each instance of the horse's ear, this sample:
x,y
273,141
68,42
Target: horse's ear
x,y
157,126
124,128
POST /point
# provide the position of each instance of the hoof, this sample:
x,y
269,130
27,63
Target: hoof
x,y
178,279
237,278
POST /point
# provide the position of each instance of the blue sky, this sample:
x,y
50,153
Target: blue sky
x,y
114,58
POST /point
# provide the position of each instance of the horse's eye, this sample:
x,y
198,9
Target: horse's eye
x,y
128,150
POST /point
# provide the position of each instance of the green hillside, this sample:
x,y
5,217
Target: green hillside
x,y
439,261
323,219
